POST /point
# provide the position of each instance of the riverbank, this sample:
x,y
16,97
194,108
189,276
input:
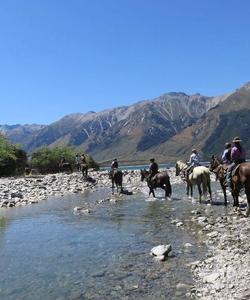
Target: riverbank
x,y
32,189
222,275
225,273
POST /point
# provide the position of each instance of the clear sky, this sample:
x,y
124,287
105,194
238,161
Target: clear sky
x,y
58,57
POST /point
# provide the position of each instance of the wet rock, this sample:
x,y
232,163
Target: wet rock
x,y
161,250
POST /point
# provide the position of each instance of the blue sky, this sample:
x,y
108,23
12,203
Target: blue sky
x,y
58,57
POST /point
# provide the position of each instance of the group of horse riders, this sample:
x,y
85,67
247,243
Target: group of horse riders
x,y
231,157
80,162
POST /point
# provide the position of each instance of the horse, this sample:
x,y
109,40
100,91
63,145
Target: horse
x,y
240,179
160,180
84,169
116,177
200,177
65,167
217,167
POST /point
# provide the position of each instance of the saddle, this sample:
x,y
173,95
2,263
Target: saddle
x,y
235,170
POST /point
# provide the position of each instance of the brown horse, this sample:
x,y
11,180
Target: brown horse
x,y
160,180
65,167
220,169
240,179
116,178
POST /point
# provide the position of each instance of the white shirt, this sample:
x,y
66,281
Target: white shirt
x,y
194,160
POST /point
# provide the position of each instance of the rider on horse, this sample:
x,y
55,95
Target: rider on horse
x,y
226,156
84,165
238,156
114,164
153,169
194,161
78,161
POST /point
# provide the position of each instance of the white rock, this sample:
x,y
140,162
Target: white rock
x,y
161,250
211,278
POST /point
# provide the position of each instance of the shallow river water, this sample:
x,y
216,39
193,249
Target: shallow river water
x,y
47,252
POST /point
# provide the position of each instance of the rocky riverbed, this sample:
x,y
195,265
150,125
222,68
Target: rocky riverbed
x,y
225,272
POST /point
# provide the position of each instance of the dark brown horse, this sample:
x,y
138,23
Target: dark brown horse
x,y
240,179
219,169
160,180
65,167
116,178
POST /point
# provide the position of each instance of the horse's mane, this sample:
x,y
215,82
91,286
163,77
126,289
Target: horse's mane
x,y
181,163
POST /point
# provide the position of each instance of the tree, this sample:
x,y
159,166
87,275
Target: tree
x,y
12,158
47,160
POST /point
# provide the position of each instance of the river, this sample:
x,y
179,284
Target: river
x,y
47,252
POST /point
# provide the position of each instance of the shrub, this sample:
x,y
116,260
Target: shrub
x,y
47,160
12,158
91,163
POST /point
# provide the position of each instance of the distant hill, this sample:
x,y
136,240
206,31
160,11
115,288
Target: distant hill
x,y
231,117
166,127
21,134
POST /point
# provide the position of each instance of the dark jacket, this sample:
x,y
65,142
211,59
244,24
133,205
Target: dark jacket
x,y
153,168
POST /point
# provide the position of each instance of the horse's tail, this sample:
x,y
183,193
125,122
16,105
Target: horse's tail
x,y
205,180
169,187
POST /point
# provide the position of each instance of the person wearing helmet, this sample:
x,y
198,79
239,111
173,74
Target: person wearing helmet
x,y
226,156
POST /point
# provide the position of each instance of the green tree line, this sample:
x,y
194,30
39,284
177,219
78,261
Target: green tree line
x,y
13,159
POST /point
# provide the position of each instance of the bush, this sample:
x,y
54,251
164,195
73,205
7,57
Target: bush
x,y
12,158
47,160
91,163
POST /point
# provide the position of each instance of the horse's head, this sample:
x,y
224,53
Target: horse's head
x,y
214,163
144,174
179,166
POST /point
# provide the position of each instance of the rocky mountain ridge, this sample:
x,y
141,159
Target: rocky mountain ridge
x,y
166,127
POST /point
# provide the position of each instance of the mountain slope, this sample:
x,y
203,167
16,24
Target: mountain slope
x,y
166,127
127,130
229,118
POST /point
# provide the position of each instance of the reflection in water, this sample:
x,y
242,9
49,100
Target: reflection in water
x,y
4,222
50,253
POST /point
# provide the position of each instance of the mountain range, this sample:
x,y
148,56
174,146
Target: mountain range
x,y
167,127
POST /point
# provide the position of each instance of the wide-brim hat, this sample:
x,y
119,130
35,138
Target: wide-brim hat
x,y
237,140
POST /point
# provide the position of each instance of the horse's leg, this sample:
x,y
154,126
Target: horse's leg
x,y
224,191
209,190
247,191
187,189
151,190
200,191
235,194
113,187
